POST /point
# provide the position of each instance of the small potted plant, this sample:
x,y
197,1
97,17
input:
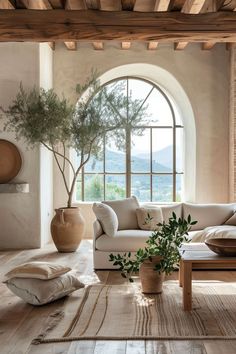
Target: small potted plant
x,y
159,258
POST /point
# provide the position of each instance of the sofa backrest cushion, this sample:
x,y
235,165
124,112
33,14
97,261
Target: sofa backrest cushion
x,y
208,214
167,209
125,210
107,218
148,218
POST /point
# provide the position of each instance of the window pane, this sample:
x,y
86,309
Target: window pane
x,y
79,188
94,165
115,187
162,188
179,188
138,89
115,156
162,150
140,152
121,87
140,187
179,149
158,112
94,188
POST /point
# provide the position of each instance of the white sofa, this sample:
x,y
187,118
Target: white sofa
x,y
130,239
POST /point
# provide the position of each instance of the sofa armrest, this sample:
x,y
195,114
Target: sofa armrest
x,y
97,229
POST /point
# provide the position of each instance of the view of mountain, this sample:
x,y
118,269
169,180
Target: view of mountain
x,y
115,162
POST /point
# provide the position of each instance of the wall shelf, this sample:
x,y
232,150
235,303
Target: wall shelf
x,y
14,188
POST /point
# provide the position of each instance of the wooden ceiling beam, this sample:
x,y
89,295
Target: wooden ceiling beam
x,y
71,45
37,4
161,5
88,25
125,45
189,7
75,5
208,45
152,45
6,5
98,45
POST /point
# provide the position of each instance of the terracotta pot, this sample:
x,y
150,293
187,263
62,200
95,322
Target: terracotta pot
x,y
151,279
67,229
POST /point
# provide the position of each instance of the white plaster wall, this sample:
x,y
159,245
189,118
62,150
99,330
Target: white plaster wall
x,y
20,213
46,158
203,75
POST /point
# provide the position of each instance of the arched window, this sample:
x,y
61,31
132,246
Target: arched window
x,y
150,165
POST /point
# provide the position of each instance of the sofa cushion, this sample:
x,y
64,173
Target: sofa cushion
x,y
107,217
167,209
148,218
221,231
126,241
125,210
231,220
208,214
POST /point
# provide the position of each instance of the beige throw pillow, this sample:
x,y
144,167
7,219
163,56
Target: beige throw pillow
x,y
107,218
125,210
40,292
148,218
231,220
38,270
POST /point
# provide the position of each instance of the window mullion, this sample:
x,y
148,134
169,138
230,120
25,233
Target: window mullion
x,y
128,162
150,132
174,163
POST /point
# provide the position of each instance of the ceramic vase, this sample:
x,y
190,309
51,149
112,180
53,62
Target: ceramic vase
x,y
67,229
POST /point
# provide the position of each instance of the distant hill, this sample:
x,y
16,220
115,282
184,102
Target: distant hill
x,y
164,157
115,162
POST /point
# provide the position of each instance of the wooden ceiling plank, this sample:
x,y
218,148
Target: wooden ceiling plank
x,y
93,4
86,25
161,5
75,5
125,45
110,5
6,5
37,4
144,6
208,45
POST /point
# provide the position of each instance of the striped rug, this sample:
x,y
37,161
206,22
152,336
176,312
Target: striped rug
x,y
122,312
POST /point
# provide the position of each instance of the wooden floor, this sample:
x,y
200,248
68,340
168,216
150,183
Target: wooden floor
x,y
20,322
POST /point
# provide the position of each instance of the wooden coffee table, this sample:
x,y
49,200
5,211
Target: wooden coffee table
x,y
202,258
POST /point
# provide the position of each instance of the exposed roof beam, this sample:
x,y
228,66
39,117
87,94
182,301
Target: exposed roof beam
x,y
152,45
6,5
37,4
98,45
208,45
88,25
71,45
161,5
189,7
75,5
125,45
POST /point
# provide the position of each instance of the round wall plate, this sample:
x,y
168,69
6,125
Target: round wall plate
x,y
10,161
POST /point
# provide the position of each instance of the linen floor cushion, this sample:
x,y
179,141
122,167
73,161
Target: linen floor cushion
x,y
107,217
38,270
40,292
148,218
208,214
125,210
231,220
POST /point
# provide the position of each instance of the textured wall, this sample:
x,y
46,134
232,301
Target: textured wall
x,y
203,75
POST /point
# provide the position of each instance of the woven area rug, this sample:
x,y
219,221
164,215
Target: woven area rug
x,y
122,312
